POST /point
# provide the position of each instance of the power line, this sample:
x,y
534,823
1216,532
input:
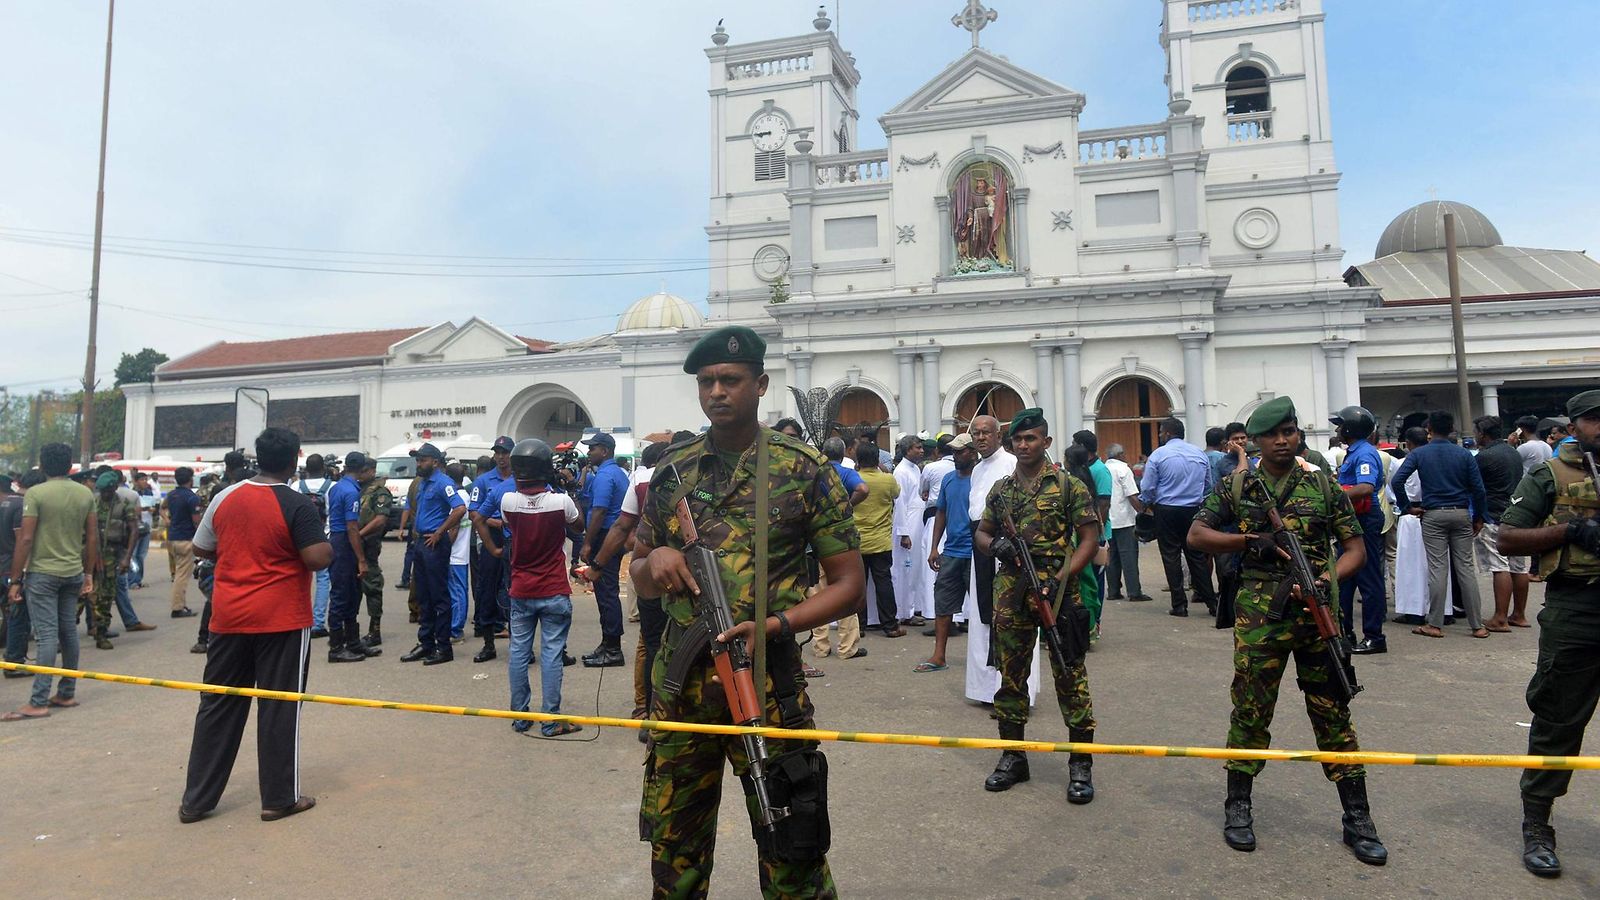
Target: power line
x,y
414,255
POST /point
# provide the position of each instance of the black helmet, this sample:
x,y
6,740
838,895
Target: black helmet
x,y
531,460
1356,420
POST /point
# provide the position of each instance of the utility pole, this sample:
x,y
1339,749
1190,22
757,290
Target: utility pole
x,y
86,416
1463,399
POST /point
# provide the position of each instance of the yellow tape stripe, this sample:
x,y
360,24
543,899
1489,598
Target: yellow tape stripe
x,y
1358,757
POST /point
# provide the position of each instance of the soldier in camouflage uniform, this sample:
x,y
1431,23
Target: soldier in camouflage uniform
x,y
806,507
1055,518
373,521
118,521
1319,513
1555,514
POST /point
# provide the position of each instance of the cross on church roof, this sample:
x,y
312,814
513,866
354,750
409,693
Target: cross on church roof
x,y
974,18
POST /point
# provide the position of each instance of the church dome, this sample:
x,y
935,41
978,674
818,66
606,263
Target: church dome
x,y
660,310
1421,228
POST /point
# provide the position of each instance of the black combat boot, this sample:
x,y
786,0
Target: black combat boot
x,y
1080,781
338,652
1237,823
355,643
1539,838
374,636
488,652
1359,832
1013,766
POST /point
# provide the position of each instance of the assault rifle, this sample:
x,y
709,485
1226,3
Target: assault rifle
x,y
713,616
1066,649
1316,598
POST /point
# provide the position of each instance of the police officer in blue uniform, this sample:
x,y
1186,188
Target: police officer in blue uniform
x,y
603,492
440,507
490,616
1361,477
349,565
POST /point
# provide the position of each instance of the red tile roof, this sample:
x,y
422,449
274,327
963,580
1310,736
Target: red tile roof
x,y
537,345
306,352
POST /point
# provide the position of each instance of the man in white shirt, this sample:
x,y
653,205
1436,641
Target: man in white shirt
x,y
994,463
1123,568
908,559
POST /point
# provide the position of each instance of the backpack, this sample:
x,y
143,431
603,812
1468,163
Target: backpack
x,y
319,497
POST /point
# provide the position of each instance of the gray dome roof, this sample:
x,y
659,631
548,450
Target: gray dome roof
x,y
1421,228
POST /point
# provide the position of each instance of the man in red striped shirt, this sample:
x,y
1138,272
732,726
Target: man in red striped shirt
x,y
540,594
269,539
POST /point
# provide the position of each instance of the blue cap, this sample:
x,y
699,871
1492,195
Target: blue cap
x,y
504,442
601,439
427,450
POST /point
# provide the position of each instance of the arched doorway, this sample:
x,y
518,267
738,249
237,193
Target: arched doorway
x,y
987,398
859,406
1128,413
546,411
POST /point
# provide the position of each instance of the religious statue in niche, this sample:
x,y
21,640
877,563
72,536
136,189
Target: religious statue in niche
x,y
981,207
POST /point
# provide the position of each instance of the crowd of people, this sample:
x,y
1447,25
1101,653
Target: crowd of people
x,y
997,534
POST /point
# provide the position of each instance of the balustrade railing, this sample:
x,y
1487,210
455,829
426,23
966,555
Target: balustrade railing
x,y
862,167
1243,128
764,67
1114,145
1216,10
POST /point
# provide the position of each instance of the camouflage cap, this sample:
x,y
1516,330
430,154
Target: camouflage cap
x,y
734,343
1270,415
1583,404
1032,417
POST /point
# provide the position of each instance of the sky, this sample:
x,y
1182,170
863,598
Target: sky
x,y
568,141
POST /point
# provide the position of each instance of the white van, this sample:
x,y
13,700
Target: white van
x,y
399,467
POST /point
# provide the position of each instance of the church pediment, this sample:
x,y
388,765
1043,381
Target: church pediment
x,y
978,86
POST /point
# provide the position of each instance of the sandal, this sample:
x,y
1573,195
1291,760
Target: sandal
x,y
1427,631
1500,629
560,729
1519,623
929,665
59,703
1480,632
20,716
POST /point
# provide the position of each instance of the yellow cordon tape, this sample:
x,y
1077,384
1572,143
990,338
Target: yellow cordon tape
x,y
1358,757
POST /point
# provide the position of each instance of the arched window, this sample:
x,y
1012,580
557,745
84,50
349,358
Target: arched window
x,y
860,410
1248,91
988,398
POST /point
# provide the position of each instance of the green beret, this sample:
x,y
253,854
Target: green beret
x,y
1583,404
735,343
1270,415
1032,417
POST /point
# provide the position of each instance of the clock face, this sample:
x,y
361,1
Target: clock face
x,y
769,132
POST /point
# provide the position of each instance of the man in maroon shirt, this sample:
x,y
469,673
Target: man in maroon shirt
x,y
269,539
537,519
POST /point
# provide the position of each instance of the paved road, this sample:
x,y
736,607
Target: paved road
x,y
412,804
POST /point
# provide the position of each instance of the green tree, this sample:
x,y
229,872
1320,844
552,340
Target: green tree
x,y
138,367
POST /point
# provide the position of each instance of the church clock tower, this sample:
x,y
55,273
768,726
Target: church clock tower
x,y
768,100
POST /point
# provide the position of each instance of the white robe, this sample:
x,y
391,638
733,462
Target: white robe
x,y
909,562
983,681
932,477
1411,561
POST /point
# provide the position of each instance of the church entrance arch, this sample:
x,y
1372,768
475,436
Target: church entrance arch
x,y
860,406
548,412
1128,413
987,398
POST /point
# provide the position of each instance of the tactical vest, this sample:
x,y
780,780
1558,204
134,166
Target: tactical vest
x,y
1576,497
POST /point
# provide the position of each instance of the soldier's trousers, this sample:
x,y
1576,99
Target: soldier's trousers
x,y
105,596
1261,649
1015,634
372,589
683,791
1565,684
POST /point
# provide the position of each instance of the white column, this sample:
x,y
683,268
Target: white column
x,y
1045,391
931,419
1491,397
800,362
1071,386
1333,354
907,401
1194,386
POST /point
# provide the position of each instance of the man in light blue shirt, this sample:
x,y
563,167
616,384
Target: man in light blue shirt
x,y
1177,478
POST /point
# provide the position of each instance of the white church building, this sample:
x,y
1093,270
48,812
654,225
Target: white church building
x,y
992,256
